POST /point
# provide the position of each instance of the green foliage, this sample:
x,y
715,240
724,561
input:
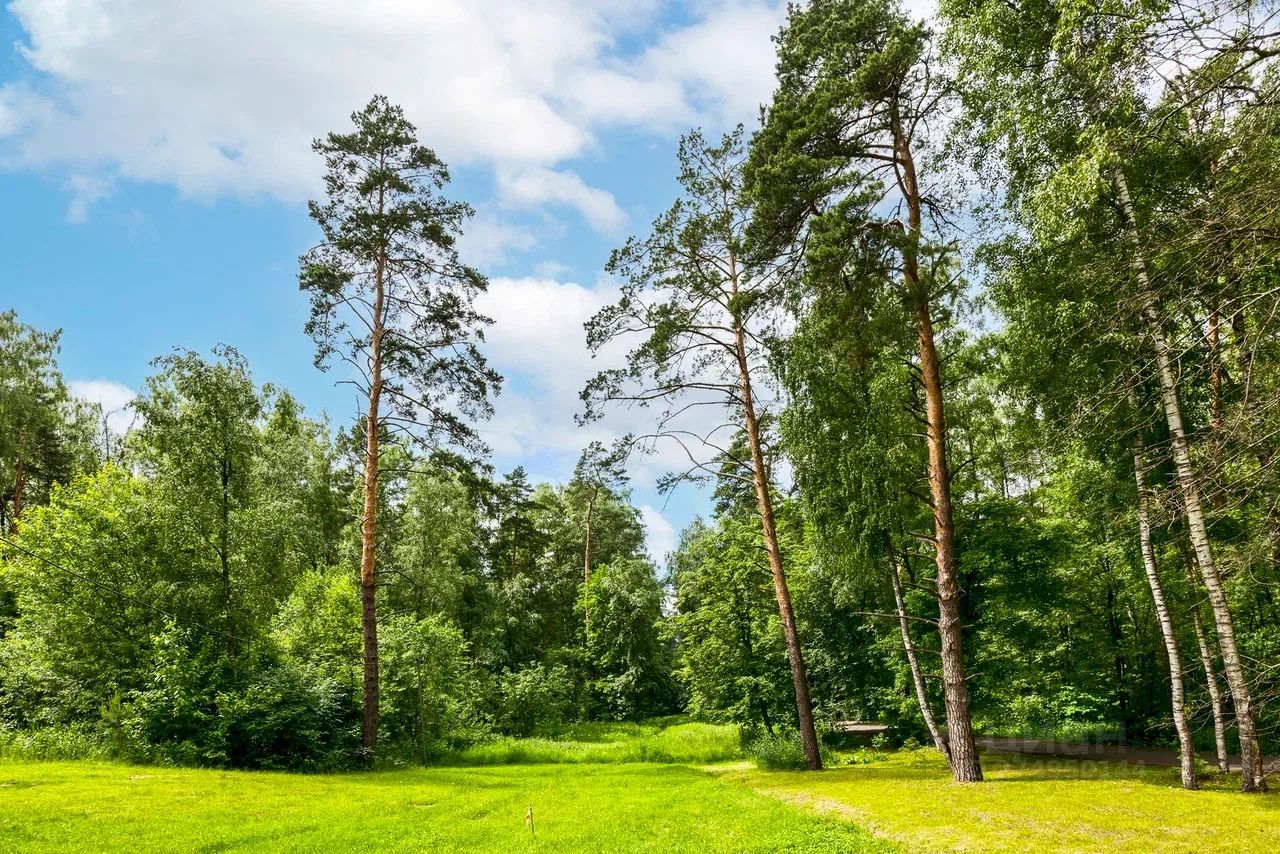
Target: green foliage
x,y
649,741
778,751
535,696
429,691
266,714
387,229
731,657
45,438
80,742
631,660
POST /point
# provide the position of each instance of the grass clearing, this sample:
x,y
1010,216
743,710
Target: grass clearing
x,y
593,796
686,743
1031,805
85,807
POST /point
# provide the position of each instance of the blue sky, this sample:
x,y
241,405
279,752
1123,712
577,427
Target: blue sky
x,y
154,167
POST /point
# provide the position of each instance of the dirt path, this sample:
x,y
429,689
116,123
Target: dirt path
x,y
1104,752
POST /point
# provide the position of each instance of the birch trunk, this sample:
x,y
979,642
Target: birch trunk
x,y
917,675
1215,693
1251,760
1186,750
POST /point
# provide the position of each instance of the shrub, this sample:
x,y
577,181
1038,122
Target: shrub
x,y
428,688
268,713
782,750
534,697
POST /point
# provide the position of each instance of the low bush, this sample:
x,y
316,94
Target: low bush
x,y
781,750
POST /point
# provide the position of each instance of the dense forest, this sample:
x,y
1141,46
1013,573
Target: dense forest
x,y
972,346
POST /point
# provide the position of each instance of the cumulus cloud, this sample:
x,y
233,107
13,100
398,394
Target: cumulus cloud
x,y
225,98
116,400
537,342
537,186
660,535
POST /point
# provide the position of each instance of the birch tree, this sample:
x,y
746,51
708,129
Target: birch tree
x,y
1063,96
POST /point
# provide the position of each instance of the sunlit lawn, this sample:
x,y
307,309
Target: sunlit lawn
x,y
82,807
594,799
1032,805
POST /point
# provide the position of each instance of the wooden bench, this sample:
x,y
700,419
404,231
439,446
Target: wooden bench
x,y
859,727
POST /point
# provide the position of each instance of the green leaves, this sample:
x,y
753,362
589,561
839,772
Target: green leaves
x,y
387,280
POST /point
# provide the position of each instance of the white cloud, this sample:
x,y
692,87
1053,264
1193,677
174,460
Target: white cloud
x,y
537,341
224,98
534,187
116,400
660,535
85,190
487,240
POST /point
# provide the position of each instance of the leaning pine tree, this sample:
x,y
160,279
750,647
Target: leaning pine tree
x,y
703,312
390,298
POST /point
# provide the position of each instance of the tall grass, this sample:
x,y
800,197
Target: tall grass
x,y
693,743
55,745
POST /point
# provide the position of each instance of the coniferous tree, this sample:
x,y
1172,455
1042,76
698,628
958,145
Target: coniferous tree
x,y
390,297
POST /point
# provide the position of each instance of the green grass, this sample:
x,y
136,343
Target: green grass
x,y
82,807
1031,805
686,743
595,796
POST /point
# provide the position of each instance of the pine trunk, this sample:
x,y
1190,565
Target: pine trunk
x,y
1186,750
760,476
965,765
913,660
1251,760
369,522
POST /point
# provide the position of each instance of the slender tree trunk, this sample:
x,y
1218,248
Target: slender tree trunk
x,y
1251,759
965,765
795,656
369,522
586,557
224,556
913,660
19,483
1211,682
1217,422
1213,337
1186,750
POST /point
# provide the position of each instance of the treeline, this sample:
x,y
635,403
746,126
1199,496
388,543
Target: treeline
x,y
189,593
974,341
1003,293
